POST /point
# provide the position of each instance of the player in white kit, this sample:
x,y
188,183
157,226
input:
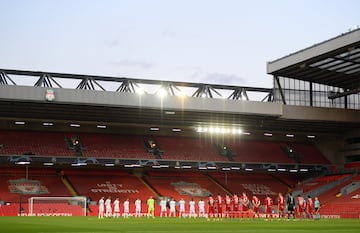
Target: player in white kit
x,y
126,208
172,208
192,208
201,205
108,209
137,208
116,208
163,208
101,207
182,208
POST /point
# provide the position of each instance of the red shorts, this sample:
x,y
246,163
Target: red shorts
x,y
268,209
256,209
236,208
281,208
227,208
211,210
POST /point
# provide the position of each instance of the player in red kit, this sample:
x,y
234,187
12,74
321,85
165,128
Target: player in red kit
x,y
219,203
211,209
268,206
256,204
309,207
236,202
228,203
245,205
281,205
300,206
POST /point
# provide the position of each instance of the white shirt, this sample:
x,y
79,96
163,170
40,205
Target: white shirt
x,y
192,206
101,205
182,205
108,203
172,206
116,206
138,204
163,205
201,206
126,206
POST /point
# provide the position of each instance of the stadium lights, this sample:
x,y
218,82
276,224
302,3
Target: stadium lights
x,y
293,170
109,165
78,164
169,112
19,123
74,125
218,130
139,91
47,124
290,135
162,92
281,169
311,136
101,126
249,169
304,169
132,165
48,164
160,166
186,166
271,169
268,134
226,169
176,130
235,168
22,162
154,128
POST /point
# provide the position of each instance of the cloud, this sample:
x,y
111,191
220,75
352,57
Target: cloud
x,y
169,33
218,78
112,43
133,63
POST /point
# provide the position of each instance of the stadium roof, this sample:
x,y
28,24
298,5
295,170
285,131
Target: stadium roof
x,y
334,62
128,112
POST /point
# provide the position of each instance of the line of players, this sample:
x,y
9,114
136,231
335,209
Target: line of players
x,y
235,207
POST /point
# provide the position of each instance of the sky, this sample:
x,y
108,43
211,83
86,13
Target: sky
x,y
224,42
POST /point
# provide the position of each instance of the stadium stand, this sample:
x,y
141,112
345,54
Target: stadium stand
x,y
261,184
186,148
335,203
34,143
258,151
44,182
96,184
115,146
183,184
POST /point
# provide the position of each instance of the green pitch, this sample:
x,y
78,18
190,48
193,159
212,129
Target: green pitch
x,y
157,225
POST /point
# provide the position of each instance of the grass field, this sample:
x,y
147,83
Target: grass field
x,y
157,225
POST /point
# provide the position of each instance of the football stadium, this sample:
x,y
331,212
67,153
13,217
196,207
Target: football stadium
x,y
206,157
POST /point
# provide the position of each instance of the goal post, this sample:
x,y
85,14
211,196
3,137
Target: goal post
x,y
57,206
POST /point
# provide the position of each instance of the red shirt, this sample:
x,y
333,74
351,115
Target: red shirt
x,y
236,200
281,200
245,199
211,201
268,201
256,201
